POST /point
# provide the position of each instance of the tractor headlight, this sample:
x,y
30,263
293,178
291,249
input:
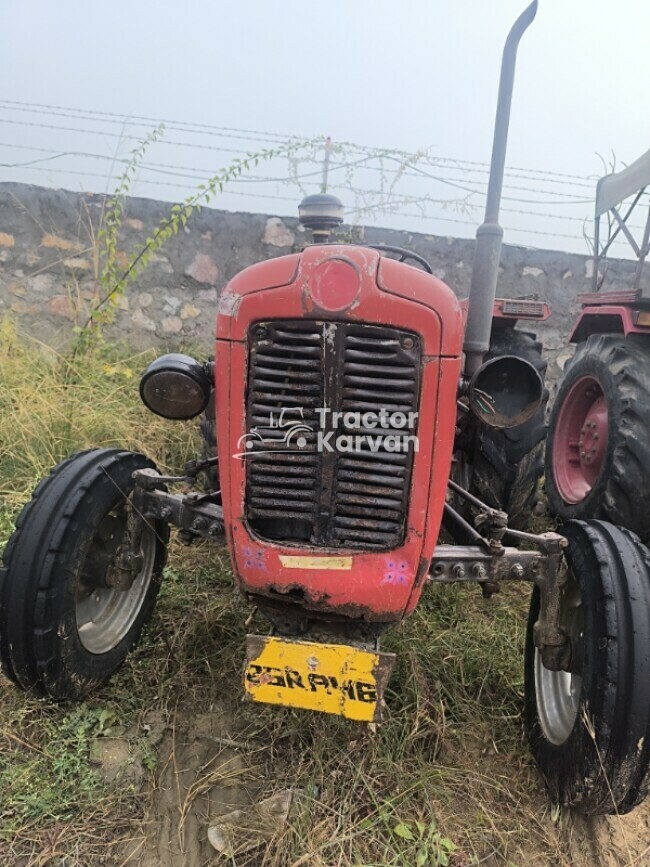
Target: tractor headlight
x,y
175,386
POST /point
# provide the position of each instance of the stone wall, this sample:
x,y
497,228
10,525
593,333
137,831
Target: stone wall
x,y
48,268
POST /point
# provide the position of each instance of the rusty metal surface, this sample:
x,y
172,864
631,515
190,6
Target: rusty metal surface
x,y
471,563
327,498
196,515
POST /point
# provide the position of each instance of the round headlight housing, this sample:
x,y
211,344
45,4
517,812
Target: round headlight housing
x,y
175,386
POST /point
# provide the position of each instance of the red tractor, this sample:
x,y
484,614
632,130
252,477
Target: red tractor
x,y
335,533
598,452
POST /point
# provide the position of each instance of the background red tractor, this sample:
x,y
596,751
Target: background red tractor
x,y
412,405
598,451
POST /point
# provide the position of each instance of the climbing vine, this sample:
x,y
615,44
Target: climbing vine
x,y
115,275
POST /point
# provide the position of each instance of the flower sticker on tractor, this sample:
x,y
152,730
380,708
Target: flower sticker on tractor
x,y
396,571
254,558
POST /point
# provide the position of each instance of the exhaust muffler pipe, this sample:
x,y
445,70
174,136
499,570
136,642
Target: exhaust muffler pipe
x,y
505,392
487,251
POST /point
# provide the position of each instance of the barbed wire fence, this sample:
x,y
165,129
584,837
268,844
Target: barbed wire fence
x,y
82,149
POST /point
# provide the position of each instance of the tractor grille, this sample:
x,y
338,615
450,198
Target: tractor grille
x,y
340,498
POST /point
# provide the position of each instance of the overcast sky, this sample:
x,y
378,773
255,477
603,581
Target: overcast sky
x,y
397,75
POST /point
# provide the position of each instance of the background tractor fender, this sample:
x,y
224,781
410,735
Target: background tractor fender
x,y
509,310
607,319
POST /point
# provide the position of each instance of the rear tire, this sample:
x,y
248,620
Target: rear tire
x,y
64,628
509,463
589,731
618,488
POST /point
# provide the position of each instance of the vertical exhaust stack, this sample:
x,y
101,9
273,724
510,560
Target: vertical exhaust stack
x,y
487,252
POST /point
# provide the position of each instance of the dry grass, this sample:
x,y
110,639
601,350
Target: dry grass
x,y
446,778
51,406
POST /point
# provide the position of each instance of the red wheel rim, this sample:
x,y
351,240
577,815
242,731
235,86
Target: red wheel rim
x,y
580,442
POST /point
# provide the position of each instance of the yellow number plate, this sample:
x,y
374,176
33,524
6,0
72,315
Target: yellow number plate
x,y
331,678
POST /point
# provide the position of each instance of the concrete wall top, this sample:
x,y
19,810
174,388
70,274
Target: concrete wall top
x,y
48,267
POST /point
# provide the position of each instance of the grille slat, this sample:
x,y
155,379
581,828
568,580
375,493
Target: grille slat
x,y
369,500
279,458
356,478
283,361
363,355
364,538
371,394
272,513
302,388
294,493
262,481
376,457
299,350
280,502
366,512
298,375
383,371
365,405
371,383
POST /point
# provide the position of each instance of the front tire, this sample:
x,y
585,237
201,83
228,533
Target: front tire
x,y
589,729
65,627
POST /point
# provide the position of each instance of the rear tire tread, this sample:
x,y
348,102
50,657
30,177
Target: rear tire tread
x,y
621,493
510,462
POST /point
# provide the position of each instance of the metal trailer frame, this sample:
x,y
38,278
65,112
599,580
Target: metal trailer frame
x,y
611,192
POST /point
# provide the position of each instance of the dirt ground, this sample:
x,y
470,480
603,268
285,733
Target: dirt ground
x,y
138,774
207,766
204,772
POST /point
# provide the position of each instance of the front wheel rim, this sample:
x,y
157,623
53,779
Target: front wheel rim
x,y
558,693
105,614
580,439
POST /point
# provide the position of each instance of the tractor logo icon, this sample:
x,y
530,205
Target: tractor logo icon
x,y
295,433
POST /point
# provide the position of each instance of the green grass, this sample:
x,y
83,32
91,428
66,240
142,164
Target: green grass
x,y
446,779
50,782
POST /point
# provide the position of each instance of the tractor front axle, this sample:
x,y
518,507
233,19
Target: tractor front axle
x,y
487,562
